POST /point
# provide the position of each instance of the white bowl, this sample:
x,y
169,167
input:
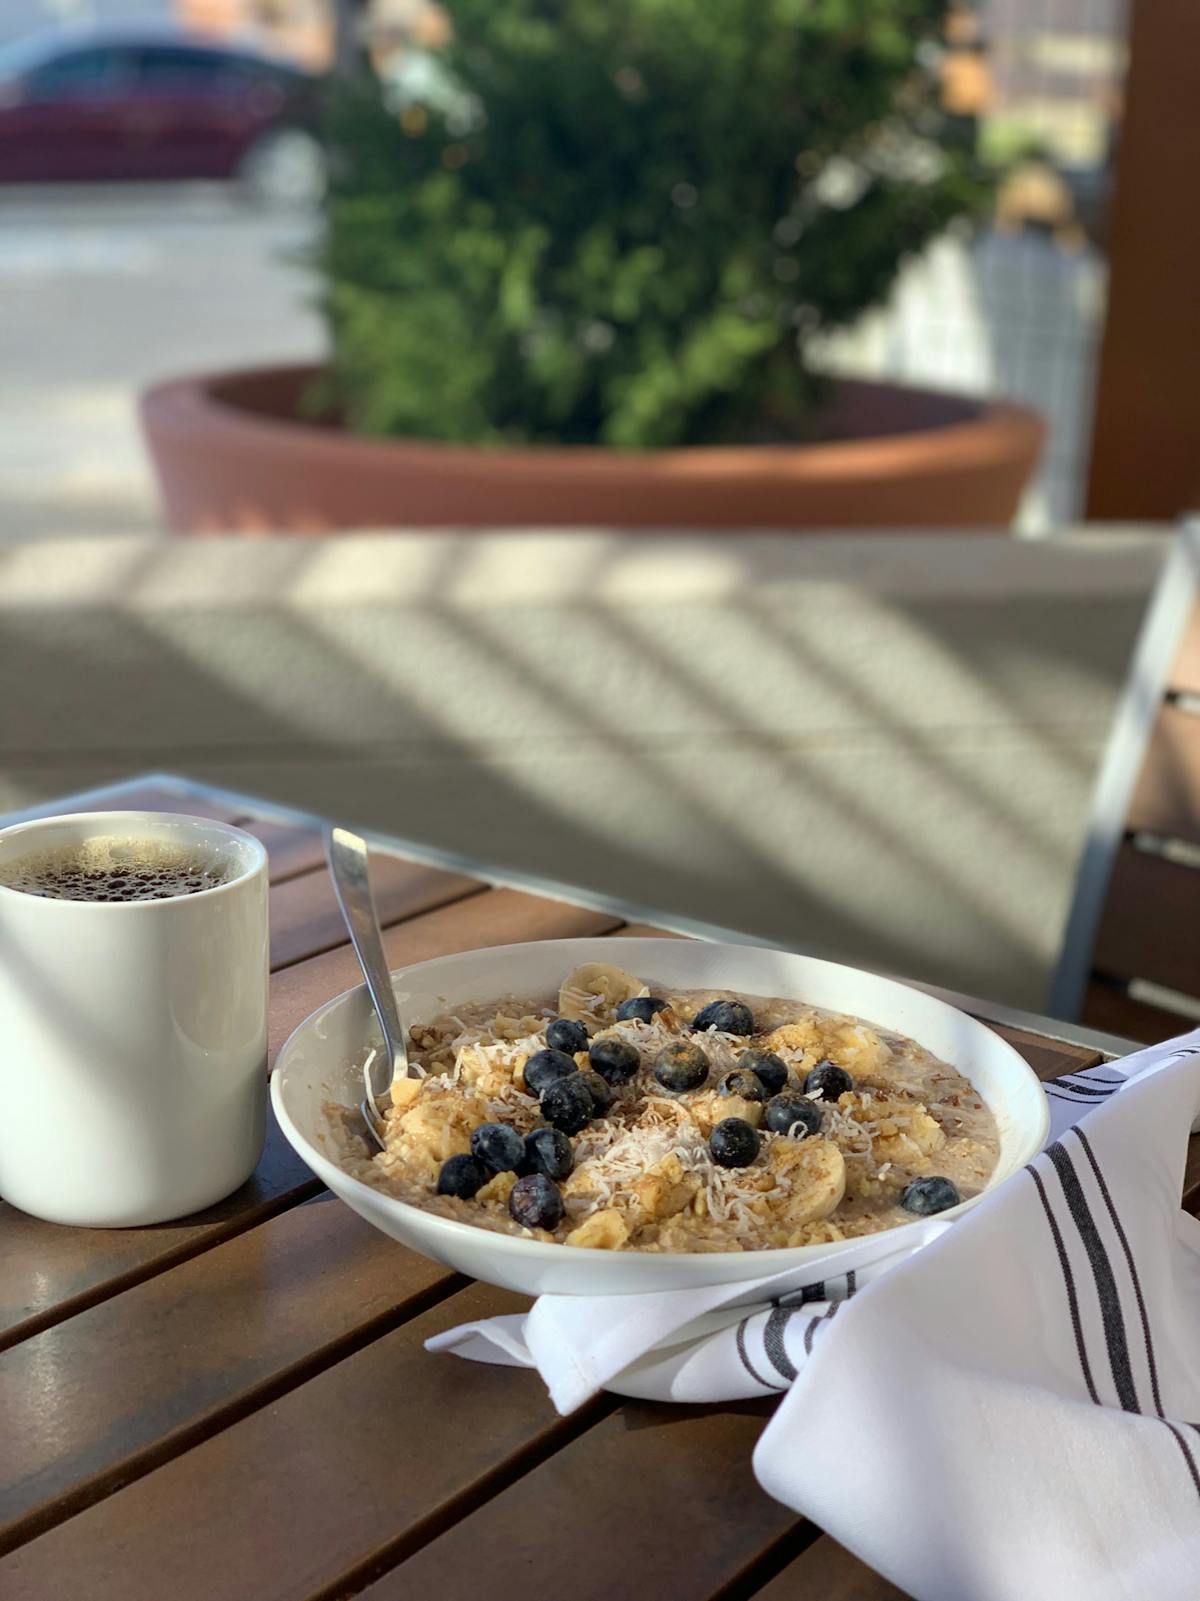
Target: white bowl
x,y
318,1065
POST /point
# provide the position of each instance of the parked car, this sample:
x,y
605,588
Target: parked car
x,y
132,106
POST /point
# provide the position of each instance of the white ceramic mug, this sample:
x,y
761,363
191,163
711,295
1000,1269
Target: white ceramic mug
x,y
133,1034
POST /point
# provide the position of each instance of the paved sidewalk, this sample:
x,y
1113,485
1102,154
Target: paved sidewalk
x,y
105,290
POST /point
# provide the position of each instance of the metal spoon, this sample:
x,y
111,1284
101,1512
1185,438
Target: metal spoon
x,y
347,856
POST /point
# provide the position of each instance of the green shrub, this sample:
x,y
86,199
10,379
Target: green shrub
x,y
630,217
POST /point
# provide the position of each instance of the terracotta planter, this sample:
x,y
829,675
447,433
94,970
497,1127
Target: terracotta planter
x,y
231,455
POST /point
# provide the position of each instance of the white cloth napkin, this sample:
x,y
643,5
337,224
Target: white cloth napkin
x,y
1015,1414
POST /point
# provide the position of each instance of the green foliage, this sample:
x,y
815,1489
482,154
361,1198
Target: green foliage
x,y
634,220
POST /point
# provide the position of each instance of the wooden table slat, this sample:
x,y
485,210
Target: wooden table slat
x,y
495,917
306,918
133,1380
177,1398
657,1500
826,1571
292,850
1048,1058
48,1271
350,1463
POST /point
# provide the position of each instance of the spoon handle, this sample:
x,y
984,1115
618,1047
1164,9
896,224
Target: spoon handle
x,y
347,855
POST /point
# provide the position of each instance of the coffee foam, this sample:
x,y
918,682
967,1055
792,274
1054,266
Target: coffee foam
x,y
116,870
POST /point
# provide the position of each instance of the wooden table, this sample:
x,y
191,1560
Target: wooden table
x,y
238,1404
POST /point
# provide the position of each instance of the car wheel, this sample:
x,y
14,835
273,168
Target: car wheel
x,y
285,168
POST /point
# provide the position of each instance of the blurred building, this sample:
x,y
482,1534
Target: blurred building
x,y
1035,88
307,30
303,30
1056,64
21,17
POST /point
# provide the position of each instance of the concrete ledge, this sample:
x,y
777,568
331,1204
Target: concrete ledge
x,y
880,745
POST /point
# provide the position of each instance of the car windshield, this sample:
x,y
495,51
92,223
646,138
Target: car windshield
x,y
78,74
159,59
170,70
21,55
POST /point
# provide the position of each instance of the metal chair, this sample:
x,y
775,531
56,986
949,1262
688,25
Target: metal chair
x,y
1130,962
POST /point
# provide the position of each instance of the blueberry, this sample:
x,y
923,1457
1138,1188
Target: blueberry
x,y
567,1103
543,1067
498,1147
639,1008
924,1197
614,1060
744,1083
534,1202
728,1017
792,1114
462,1176
565,1035
549,1152
829,1080
770,1068
733,1143
602,1095
681,1066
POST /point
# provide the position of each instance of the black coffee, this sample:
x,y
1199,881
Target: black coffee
x,y
116,870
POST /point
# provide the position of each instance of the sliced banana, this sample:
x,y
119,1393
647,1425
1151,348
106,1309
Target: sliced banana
x,y
602,1231
859,1049
814,1174
592,993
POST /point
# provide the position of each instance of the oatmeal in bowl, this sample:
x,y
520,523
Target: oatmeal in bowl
x,y
606,1115
623,1115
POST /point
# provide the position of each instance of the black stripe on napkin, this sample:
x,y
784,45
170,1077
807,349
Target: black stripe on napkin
x,y
783,1309
773,1342
827,1316
1068,1281
1177,1435
1106,1284
1085,1102
1086,1145
819,1291
745,1356
810,1292
1098,1092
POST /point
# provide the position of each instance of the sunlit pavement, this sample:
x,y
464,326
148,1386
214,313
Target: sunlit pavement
x,y
104,290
